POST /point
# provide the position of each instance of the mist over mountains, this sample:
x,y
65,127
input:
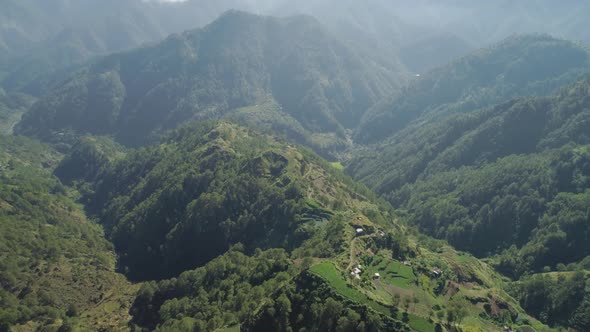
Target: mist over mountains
x,y
416,35
239,60
275,165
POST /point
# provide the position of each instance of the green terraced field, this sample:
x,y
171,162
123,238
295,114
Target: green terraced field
x,y
394,273
329,272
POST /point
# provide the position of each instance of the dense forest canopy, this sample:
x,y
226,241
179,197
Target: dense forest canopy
x,y
518,66
239,60
507,182
162,165
48,245
180,204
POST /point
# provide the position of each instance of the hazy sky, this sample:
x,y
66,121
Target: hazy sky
x,y
165,0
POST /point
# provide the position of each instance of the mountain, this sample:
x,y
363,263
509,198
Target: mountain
x,y
479,142
419,34
430,50
40,37
508,182
257,234
57,268
253,232
180,204
41,43
482,23
237,61
40,40
174,196
524,65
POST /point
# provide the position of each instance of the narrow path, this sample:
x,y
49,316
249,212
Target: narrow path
x,y
352,256
352,246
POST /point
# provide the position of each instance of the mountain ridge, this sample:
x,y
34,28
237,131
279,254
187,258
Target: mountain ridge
x,y
481,79
191,76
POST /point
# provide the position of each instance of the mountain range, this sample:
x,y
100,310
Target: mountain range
x,y
40,39
165,169
239,60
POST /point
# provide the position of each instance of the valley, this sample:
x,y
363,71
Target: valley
x,y
278,166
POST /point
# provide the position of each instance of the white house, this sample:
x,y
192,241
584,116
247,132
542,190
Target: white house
x,y
437,272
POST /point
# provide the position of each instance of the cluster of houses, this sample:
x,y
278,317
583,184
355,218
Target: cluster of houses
x,y
356,273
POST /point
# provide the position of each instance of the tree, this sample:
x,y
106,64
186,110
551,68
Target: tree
x,y
72,310
283,310
457,310
330,314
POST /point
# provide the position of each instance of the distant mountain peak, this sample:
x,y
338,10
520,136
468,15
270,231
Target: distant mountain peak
x,y
234,62
536,64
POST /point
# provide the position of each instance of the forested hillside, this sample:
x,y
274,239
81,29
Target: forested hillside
x,y
237,61
510,180
541,137
40,40
56,267
519,126
273,232
38,37
519,66
177,205
177,182
425,34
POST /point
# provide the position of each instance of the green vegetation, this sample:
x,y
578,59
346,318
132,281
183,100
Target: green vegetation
x,y
56,267
477,192
237,61
175,206
12,106
559,298
397,273
509,182
225,292
518,66
223,223
43,44
330,273
338,166
167,211
268,116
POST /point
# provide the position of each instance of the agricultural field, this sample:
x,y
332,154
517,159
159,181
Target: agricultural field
x,y
422,288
